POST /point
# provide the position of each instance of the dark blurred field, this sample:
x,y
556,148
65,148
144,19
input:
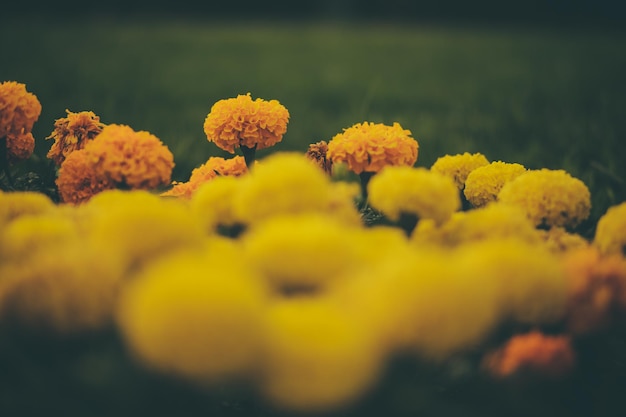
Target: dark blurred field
x,y
542,96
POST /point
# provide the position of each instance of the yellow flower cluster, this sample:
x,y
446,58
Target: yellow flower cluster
x,y
19,110
459,166
484,183
610,234
118,157
242,122
72,133
368,147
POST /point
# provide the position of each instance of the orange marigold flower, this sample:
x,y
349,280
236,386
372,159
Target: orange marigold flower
x,y
20,146
240,121
214,167
596,289
371,146
19,109
119,157
532,352
72,133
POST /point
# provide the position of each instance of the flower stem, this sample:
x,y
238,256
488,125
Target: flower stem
x,y
365,179
4,163
248,155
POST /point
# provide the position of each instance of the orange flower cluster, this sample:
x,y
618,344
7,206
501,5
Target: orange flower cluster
x,y
371,146
119,157
19,110
597,289
212,168
242,122
71,133
532,352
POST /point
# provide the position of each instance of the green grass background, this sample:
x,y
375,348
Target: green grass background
x,y
543,97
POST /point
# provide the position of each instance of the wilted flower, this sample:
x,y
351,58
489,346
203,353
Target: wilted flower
x,y
318,153
214,167
483,184
610,234
72,133
368,147
243,123
549,197
459,166
19,110
118,157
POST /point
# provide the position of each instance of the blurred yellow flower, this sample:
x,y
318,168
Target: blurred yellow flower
x,y
403,189
459,166
118,157
368,147
212,203
16,204
549,197
610,234
558,240
483,184
72,133
214,167
242,122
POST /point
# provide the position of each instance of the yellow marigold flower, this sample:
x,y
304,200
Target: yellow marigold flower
x,y
402,189
559,240
459,166
16,204
118,156
197,316
242,122
494,220
549,197
282,183
305,252
610,234
596,289
483,184
20,146
19,109
212,203
214,167
316,357
368,147
317,153
72,133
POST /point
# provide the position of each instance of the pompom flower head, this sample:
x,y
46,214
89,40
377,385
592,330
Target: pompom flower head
x,y
19,110
214,167
119,157
611,231
483,184
549,197
246,124
72,133
459,166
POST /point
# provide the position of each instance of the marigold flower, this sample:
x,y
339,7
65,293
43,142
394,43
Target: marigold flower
x,y
212,203
559,240
459,166
316,357
242,122
610,234
20,203
19,109
214,167
368,147
117,157
549,197
418,191
596,289
532,352
317,152
483,184
20,146
196,316
72,133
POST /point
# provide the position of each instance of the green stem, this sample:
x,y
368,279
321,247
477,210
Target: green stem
x,y
248,155
365,177
4,163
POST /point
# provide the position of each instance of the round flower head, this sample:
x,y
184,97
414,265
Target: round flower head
x,y
549,197
402,189
459,166
212,203
118,156
214,167
72,133
16,204
237,122
19,109
20,146
611,230
558,240
368,147
483,184
532,352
